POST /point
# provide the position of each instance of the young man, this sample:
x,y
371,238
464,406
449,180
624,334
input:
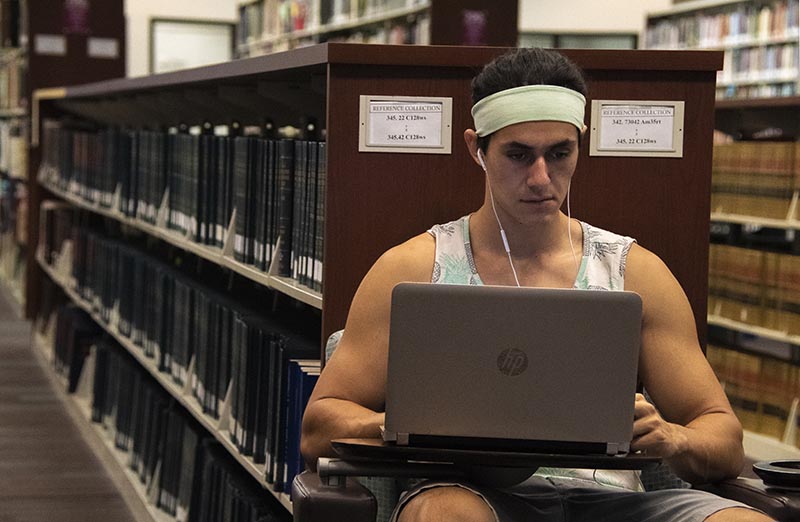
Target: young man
x,y
529,113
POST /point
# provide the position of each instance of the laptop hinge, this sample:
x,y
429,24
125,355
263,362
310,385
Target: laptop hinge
x,y
617,448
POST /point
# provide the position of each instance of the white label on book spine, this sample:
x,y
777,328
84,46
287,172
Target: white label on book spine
x,y
51,44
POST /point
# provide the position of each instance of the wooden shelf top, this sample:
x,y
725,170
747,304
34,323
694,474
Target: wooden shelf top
x,y
317,56
758,103
786,224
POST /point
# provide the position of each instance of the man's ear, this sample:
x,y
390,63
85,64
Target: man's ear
x,y
471,140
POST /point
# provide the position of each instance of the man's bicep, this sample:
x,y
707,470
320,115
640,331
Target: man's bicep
x,y
355,376
674,369
356,371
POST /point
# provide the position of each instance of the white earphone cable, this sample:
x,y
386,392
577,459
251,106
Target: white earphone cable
x,y
569,230
503,232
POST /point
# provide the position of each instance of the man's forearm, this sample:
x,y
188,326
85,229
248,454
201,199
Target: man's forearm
x,y
712,450
329,419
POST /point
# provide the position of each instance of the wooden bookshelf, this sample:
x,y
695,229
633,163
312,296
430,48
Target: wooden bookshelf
x,y
747,118
218,428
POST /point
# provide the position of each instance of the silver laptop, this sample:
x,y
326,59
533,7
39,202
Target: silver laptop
x,y
522,369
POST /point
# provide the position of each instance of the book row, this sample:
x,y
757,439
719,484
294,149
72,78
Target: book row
x,y
755,178
271,18
186,473
757,90
743,23
769,63
208,188
13,148
412,29
206,343
761,389
756,287
13,78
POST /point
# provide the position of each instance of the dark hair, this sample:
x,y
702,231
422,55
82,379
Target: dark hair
x,y
526,66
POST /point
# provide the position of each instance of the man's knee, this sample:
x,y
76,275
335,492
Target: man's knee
x,y
738,515
446,503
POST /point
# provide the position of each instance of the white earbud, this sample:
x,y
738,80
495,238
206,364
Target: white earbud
x,y
480,160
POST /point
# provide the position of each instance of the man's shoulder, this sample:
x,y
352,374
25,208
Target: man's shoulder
x,y
411,260
645,269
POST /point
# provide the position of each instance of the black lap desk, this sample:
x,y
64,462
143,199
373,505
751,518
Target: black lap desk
x,y
374,455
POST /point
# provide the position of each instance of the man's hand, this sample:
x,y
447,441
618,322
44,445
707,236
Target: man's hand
x,y
652,434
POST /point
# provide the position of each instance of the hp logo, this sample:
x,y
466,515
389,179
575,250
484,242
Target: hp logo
x,y
512,362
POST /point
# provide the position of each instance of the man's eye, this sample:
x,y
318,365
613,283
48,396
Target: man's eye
x,y
517,156
560,154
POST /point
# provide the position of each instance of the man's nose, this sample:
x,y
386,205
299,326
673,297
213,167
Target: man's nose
x,y
537,173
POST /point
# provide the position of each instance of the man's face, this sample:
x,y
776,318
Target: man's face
x,y
529,166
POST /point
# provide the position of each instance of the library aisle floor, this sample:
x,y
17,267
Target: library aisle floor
x,y
47,470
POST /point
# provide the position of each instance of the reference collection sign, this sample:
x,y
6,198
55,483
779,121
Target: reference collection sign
x,y
636,128
405,124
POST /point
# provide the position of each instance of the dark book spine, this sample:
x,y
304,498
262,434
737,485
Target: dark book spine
x,y
319,236
225,356
202,348
194,194
222,212
240,191
173,181
251,405
238,370
298,206
285,187
261,392
207,195
257,197
272,204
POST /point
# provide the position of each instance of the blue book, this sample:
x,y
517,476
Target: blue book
x,y
301,380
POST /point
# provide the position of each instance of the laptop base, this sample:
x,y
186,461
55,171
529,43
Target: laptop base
x,y
510,445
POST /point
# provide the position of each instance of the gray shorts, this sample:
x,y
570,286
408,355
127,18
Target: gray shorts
x,y
558,499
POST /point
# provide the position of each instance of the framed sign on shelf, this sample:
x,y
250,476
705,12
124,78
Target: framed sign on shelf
x,y
181,44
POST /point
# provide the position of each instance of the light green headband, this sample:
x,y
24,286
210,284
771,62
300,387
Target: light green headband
x,y
528,103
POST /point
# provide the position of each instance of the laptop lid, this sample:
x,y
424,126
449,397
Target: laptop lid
x,y
525,368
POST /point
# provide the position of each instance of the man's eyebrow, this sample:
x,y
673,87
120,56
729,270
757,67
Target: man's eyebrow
x,y
520,145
